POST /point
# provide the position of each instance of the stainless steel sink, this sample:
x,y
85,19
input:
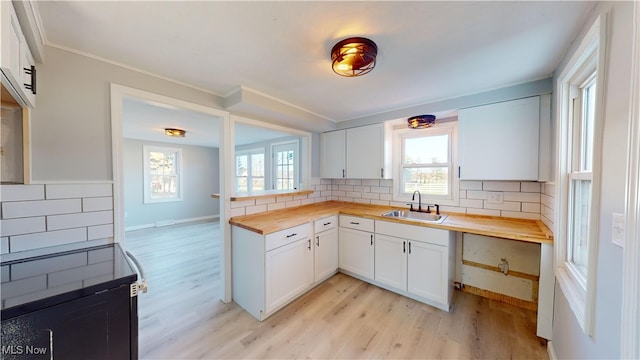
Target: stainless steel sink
x,y
415,216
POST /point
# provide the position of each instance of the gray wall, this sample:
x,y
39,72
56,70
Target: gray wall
x,y
200,170
568,339
71,124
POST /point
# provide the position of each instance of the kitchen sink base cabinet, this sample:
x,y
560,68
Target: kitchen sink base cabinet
x,y
417,262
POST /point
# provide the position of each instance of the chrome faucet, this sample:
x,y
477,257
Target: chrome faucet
x,y
413,197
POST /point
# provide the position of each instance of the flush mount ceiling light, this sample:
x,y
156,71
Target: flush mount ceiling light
x,y
354,56
174,132
421,121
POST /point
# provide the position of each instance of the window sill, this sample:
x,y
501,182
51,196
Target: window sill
x,y
266,194
576,297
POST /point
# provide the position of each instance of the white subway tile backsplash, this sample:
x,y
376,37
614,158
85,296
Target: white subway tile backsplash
x,y
380,202
242,203
238,211
4,246
100,232
531,207
255,209
21,192
381,189
386,197
306,202
522,196
58,222
46,239
21,226
386,182
292,203
506,206
484,212
373,196
97,204
370,182
500,186
474,194
521,215
354,194
284,199
66,191
23,209
275,206
362,201
470,185
345,188
338,182
354,182
533,187
265,201
473,203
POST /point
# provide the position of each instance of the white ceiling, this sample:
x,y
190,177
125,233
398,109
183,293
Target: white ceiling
x,y
428,50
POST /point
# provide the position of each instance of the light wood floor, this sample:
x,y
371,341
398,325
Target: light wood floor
x,y
342,318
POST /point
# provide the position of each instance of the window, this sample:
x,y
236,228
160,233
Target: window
x,y
579,97
162,174
284,165
250,170
424,162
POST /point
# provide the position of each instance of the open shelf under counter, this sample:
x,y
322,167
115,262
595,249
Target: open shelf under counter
x,y
266,194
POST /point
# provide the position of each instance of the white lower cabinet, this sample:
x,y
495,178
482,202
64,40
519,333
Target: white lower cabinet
x,y
288,273
415,261
326,248
269,271
427,271
357,246
391,261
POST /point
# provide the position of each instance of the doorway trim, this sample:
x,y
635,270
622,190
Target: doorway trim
x,y
118,93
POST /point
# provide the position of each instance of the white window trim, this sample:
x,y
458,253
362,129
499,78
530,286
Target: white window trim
x,y
630,339
449,128
146,149
580,292
296,164
249,152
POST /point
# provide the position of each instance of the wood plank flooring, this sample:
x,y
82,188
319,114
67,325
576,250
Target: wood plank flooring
x,y
342,318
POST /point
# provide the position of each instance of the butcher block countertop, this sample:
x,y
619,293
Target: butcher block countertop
x,y
507,228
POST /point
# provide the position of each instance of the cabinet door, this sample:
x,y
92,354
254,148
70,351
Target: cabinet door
x,y
326,254
391,261
356,252
332,148
365,152
11,42
500,141
289,272
428,271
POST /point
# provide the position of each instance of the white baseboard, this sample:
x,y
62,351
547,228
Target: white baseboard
x,y
551,351
170,222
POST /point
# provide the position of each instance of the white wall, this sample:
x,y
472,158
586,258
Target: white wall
x,y
200,175
568,339
71,124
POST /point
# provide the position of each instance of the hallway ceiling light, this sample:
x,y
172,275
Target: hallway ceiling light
x,y
174,132
354,56
421,121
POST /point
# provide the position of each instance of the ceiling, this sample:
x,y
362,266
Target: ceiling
x,y
265,56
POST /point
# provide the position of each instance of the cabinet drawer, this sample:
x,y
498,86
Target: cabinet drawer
x,y
413,232
324,224
357,223
287,236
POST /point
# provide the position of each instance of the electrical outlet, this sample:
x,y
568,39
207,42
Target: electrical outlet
x,y
618,229
495,197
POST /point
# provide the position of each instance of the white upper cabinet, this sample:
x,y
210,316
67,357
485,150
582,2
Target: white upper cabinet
x,y
333,150
16,62
357,153
500,141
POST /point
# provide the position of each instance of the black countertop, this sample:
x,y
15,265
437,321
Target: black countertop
x,y
36,282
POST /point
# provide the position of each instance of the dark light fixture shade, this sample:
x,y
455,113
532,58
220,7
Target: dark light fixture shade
x,y
354,56
421,121
174,132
